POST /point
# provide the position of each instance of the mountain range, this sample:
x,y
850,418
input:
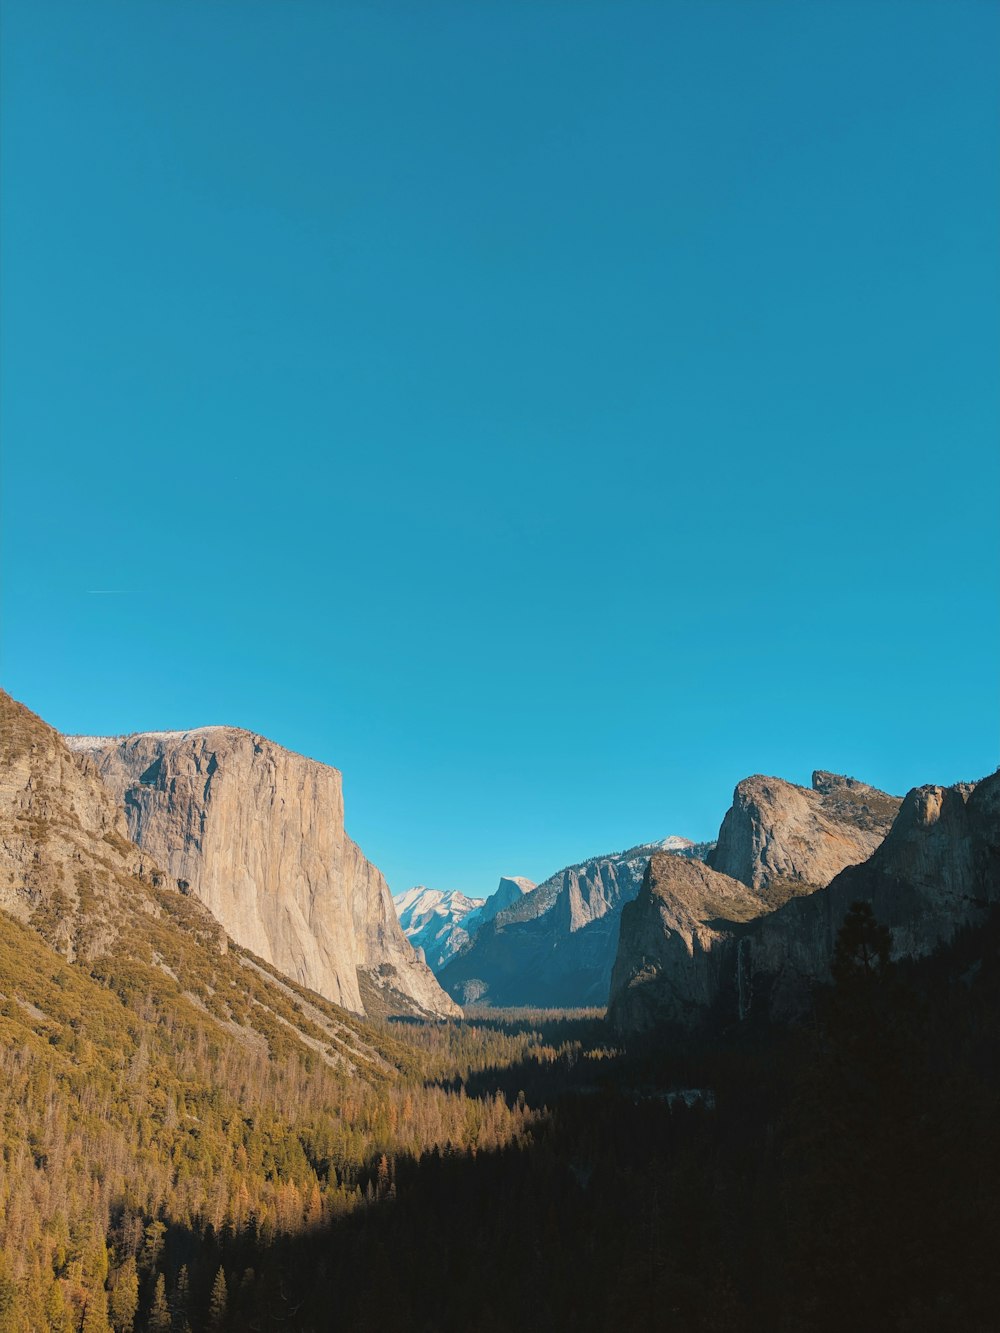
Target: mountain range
x,y
439,923
196,1135
554,947
752,932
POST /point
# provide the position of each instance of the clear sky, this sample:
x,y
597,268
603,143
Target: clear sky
x,y
548,413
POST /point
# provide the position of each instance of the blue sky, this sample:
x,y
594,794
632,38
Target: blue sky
x,y
547,413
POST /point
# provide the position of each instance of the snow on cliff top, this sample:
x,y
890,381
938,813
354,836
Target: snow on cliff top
x,y
98,742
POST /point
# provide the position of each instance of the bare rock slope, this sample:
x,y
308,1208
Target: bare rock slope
x,y
782,839
67,867
257,833
668,969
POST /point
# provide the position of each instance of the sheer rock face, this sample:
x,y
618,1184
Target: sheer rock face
x,y
778,835
258,834
669,966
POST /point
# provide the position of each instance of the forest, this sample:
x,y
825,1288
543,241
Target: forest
x,y
508,1171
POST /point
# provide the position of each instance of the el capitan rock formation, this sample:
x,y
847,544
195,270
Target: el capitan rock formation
x,y
257,833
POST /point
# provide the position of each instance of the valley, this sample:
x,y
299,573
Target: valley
x,y
785,1113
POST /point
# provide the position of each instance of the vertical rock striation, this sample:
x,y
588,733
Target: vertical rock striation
x,y
257,833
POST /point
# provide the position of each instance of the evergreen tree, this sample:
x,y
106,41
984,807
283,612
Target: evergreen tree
x,y
159,1314
180,1303
124,1298
95,1317
861,953
217,1304
57,1311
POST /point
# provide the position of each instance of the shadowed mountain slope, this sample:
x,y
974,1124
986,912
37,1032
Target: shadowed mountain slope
x,y
555,946
936,871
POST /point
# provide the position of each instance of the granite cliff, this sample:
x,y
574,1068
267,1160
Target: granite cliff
x,y
257,834
670,962
781,839
937,870
682,958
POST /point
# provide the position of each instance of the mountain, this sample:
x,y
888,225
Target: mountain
x,y
167,1099
762,946
937,871
782,839
669,965
257,834
433,920
555,946
510,890
440,923
70,874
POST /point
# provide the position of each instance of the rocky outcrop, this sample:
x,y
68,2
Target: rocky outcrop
x,y
670,960
555,946
781,839
936,870
67,866
257,834
508,893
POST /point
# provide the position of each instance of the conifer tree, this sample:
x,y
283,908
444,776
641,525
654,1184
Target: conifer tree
x,y
57,1311
95,1317
124,1298
159,1314
217,1303
180,1302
